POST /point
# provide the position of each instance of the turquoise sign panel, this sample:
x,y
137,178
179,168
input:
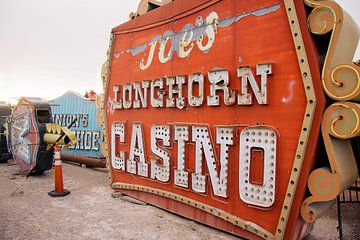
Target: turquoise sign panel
x,y
72,107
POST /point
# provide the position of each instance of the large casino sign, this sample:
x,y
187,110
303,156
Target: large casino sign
x,y
218,110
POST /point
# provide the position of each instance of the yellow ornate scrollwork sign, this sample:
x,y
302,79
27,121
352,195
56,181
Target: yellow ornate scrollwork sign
x,y
341,82
101,101
340,76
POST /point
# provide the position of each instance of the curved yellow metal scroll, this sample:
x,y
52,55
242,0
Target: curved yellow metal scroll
x,y
340,77
340,123
101,117
341,81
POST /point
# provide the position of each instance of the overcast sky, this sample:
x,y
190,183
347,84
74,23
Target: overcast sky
x,y
48,47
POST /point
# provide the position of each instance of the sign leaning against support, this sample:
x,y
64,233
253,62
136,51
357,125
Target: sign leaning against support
x,y
215,109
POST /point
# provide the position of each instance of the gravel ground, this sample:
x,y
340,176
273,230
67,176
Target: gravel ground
x,y
89,212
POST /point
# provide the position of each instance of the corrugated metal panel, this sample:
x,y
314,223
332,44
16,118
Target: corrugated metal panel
x,y
72,106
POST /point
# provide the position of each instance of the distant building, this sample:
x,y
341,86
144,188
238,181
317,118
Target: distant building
x,y
73,107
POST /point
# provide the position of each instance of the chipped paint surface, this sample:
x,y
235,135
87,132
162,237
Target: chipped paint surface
x,y
182,41
227,122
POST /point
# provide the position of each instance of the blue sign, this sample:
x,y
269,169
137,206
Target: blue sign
x,y
73,107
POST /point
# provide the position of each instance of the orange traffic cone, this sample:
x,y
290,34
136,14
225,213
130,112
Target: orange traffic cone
x,y
59,188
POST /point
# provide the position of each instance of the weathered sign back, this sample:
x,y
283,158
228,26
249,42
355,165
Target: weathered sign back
x,y
213,110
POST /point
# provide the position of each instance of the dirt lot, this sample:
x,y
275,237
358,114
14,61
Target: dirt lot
x,y
89,212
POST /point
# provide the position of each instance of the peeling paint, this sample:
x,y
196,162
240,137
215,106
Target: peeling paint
x,y
216,69
203,28
136,50
226,22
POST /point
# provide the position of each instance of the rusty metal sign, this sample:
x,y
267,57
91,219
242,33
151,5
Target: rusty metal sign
x,y
27,126
213,110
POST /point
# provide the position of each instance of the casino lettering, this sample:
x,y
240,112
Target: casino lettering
x,y
169,91
254,140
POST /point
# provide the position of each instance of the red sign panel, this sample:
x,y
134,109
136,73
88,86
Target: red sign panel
x,y
209,112
26,130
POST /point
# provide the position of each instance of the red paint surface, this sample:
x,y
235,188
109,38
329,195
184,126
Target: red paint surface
x,y
30,137
252,40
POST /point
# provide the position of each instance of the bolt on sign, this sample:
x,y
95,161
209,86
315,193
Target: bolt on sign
x,y
217,110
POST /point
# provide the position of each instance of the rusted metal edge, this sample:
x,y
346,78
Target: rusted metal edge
x,y
88,161
245,225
